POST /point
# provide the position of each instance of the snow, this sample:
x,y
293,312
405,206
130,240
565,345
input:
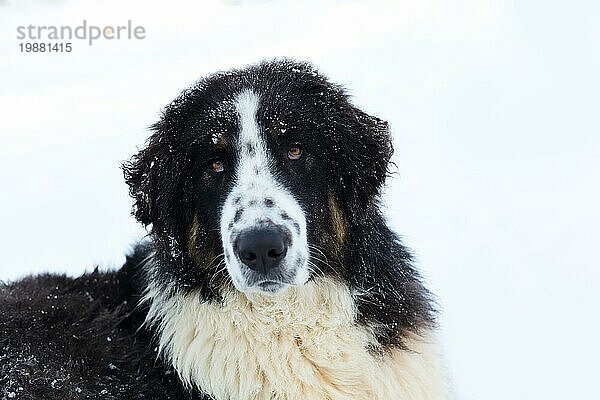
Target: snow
x,y
493,106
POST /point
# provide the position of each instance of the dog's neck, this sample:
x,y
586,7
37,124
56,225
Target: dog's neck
x,y
302,344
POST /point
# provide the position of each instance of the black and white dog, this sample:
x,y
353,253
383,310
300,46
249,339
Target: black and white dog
x,y
269,272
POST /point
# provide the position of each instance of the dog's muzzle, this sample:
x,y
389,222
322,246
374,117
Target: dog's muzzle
x,y
265,248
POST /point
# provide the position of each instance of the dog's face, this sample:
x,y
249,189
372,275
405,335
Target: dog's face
x,y
263,224
260,173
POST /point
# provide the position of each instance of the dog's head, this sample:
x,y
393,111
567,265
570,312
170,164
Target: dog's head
x,y
261,173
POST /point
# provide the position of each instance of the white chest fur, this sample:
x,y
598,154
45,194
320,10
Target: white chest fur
x,y
303,344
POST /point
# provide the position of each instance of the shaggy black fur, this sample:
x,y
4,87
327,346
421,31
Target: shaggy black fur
x,y
83,338
64,338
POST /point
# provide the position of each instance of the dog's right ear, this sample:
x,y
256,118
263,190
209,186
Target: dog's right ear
x,y
153,176
141,174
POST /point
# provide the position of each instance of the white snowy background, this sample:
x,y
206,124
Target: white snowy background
x,y
494,108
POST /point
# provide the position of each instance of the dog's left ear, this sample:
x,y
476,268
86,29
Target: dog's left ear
x,y
366,153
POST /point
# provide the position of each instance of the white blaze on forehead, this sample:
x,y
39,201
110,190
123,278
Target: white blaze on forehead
x,y
255,180
246,107
251,146
254,176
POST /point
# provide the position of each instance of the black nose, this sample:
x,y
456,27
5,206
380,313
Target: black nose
x,y
261,249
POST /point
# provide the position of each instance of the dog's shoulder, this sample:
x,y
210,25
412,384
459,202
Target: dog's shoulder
x,y
63,337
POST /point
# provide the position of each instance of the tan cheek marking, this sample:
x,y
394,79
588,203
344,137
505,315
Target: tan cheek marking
x,y
338,219
203,257
193,233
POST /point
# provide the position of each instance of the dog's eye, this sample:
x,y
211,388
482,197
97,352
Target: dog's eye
x,y
217,165
295,151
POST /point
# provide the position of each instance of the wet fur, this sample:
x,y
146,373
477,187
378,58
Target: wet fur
x,y
91,336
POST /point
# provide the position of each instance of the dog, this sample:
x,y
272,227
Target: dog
x,y
268,272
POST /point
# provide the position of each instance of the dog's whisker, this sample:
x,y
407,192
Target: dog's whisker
x,y
315,268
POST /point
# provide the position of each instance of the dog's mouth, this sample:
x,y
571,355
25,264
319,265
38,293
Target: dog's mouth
x,y
271,286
